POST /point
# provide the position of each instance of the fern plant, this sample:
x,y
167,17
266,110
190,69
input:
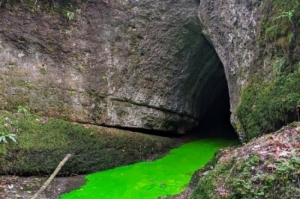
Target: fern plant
x,y
4,137
289,15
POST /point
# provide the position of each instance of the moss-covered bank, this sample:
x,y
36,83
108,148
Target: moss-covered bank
x,y
271,97
267,167
43,142
267,106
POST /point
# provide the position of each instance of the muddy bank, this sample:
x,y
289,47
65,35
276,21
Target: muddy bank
x,y
13,187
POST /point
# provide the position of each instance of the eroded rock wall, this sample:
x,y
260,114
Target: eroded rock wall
x,y
139,64
258,44
231,27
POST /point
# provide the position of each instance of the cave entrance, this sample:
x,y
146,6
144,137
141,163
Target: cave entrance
x,y
215,121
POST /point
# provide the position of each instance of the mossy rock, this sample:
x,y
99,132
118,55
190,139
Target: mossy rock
x,y
43,142
266,106
254,170
271,97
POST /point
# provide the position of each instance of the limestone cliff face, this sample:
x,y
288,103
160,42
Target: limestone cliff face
x,y
140,64
231,26
258,44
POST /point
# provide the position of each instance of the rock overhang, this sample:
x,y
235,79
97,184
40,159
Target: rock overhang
x,y
129,64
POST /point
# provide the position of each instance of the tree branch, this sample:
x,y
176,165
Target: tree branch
x,y
45,185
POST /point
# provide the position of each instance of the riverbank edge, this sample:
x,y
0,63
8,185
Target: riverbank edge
x,y
265,167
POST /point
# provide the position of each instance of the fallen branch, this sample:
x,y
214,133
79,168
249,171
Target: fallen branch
x,y
45,185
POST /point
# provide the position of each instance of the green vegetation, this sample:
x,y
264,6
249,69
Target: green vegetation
x,y
150,180
70,15
8,130
289,15
43,70
264,168
271,98
278,66
104,78
269,105
43,142
4,136
278,25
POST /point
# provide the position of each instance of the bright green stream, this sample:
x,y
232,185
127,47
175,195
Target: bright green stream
x,y
168,175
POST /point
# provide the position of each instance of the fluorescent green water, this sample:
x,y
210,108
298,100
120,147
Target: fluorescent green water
x,y
149,180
